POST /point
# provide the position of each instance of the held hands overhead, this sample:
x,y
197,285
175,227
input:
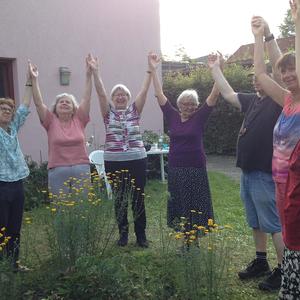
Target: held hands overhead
x,y
216,60
153,61
258,21
258,26
92,63
33,70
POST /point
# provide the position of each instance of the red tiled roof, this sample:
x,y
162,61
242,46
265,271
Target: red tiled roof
x,y
244,55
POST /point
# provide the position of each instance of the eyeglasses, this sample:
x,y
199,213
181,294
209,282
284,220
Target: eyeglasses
x,y
4,109
188,104
119,95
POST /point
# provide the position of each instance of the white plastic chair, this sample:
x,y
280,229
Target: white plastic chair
x,y
97,158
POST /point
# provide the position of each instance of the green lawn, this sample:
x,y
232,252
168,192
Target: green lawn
x,y
130,272
228,210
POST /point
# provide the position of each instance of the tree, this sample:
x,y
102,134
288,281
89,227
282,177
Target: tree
x,y
287,28
182,56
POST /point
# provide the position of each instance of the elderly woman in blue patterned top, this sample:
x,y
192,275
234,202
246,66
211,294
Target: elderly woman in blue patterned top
x,y
124,149
13,169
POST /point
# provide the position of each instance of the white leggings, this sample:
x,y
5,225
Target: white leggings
x,y
63,179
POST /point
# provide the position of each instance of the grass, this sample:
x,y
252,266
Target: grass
x,y
140,272
228,209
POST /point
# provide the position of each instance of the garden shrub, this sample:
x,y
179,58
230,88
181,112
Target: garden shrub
x,y
36,184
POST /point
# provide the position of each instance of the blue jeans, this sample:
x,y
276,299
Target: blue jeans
x,y
258,195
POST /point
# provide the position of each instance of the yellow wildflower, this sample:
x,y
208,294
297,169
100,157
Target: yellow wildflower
x,y
178,236
210,222
201,228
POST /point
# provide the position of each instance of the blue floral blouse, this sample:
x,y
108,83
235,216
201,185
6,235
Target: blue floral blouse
x,y
12,163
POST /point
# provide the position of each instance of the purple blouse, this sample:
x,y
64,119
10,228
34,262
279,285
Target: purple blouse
x,y
186,138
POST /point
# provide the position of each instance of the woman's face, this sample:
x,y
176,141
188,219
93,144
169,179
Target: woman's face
x,y
64,106
6,114
120,99
187,107
289,78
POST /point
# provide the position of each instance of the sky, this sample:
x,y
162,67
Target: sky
x,y
204,26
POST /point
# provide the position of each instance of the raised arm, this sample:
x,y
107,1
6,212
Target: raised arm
x,y
153,62
273,49
85,103
212,98
28,90
41,108
295,10
221,83
270,87
101,92
142,95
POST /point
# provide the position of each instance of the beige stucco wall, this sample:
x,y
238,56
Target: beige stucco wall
x,y
55,33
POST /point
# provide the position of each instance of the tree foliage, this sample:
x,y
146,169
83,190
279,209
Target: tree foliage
x,y
225,121
287,28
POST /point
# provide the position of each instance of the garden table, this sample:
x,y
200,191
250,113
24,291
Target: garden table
x,y
160,152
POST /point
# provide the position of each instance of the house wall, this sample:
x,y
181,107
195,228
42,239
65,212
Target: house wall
x,y
56,33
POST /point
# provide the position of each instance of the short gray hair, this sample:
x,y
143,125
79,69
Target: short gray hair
x,y
65,95
192,94
120,87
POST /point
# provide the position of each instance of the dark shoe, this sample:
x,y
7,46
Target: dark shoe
x,y
141,240
123,240
272,282
256,268
142,243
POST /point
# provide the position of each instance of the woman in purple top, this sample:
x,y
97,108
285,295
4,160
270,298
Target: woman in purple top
x,y
187,177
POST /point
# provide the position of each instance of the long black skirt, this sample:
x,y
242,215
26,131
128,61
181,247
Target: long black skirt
x,y
189,197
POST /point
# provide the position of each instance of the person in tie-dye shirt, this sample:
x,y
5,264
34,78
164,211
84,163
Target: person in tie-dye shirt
x,y
287,128
286,137
125,151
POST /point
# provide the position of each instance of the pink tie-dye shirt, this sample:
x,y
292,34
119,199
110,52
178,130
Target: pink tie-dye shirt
x,y
286,135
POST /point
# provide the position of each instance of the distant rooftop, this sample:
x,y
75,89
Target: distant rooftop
x,y
244,55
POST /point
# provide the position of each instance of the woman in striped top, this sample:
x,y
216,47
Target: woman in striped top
x,y
125,152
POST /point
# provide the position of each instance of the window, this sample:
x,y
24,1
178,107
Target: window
x,y
6,78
